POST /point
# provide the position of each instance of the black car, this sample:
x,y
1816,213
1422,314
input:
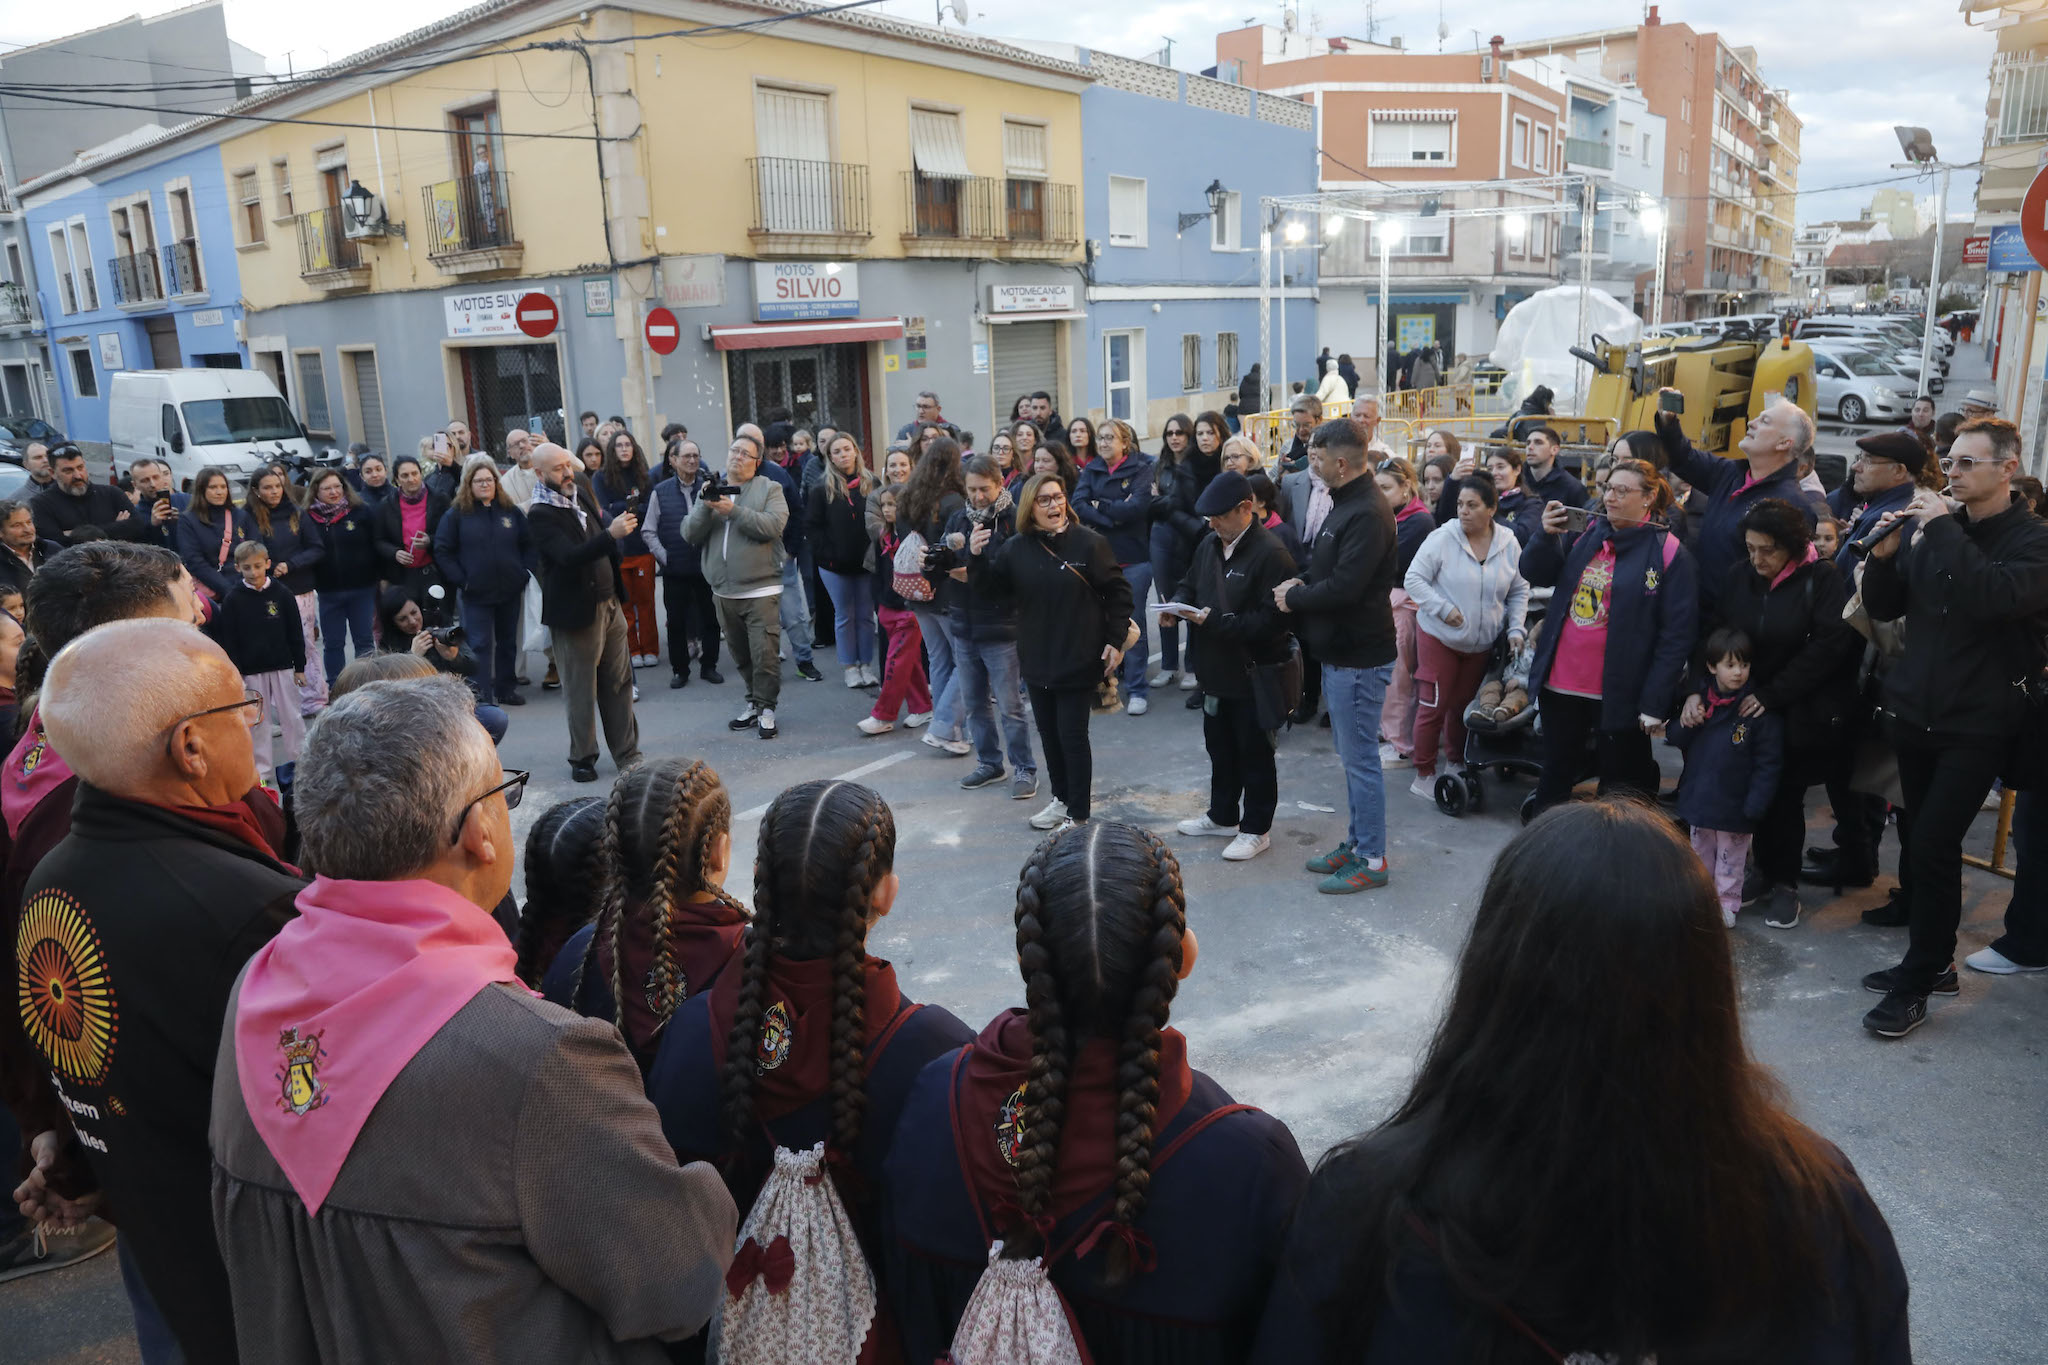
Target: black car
x,y
19,429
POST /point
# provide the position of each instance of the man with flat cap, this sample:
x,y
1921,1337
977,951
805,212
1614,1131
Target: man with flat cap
x,y
1234,627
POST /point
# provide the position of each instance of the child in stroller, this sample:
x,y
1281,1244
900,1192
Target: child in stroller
x,y
1500,723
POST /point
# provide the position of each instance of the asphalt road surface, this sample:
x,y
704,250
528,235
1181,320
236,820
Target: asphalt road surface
x,y
1316,1007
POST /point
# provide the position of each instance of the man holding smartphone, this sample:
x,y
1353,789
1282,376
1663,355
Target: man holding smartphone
x,y
1541,476
1769,468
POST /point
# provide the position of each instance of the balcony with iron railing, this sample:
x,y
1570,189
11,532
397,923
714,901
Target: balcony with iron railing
x,y
983,216
329,259
1586,151
181,268
17,309
2022,88
808,208
138,279
469,225
81,292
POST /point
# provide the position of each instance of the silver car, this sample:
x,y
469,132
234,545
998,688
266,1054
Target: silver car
x,y
1856,386
1905,364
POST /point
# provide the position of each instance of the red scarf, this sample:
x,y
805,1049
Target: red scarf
x,y
796,1035
1414,505
254,820
704,933
988,1112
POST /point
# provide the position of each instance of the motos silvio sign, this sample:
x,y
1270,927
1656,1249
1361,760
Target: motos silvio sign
x,y
793,291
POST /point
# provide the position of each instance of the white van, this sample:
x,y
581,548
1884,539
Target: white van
x,y
190,419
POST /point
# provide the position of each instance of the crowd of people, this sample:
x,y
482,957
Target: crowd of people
x,y
780,1156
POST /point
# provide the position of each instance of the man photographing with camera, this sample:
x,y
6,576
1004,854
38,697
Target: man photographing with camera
x,y
1972,585
737,528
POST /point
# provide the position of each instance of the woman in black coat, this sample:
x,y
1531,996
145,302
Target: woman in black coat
x,y
1073,620
1184,470
346,574
1803,660
835,515
209,529
486,554
295,551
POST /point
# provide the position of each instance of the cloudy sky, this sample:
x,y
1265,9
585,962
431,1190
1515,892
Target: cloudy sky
x,y
1854,68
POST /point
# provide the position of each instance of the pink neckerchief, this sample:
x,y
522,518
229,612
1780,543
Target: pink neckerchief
x,y
1793,565
1715,701
34,768
334,1007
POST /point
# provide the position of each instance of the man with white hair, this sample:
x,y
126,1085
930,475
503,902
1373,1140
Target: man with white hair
x,y
517,479
582,596
415,1158
1772,446
131,934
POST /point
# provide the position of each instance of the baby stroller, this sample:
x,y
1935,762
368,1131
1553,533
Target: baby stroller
x,y
1501,723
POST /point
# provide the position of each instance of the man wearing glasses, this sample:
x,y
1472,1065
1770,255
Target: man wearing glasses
x,y
132,931
392,1106
739,539
1972,585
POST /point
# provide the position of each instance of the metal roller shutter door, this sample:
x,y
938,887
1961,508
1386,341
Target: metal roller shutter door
x,y
1025,359
370,403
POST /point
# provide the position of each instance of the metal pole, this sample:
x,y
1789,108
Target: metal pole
x,y
1663,246
1586,203
1281,389
1265,306
1379,360
1933,286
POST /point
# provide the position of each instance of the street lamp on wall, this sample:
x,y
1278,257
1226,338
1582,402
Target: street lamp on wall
x,y
1215,194
364,214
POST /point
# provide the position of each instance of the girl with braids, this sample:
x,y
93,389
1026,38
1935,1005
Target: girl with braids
x,y
806,1039
563,878
1074,1130
664,927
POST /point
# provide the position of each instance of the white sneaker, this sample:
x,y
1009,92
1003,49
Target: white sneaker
x,y
1245,847
1136,706
868,676
1424,787
853,678
917,720
1164,677
764,725
868,725
1728,919
1052,817
1188,681
1997,963
1202,824
636,691
958,748
1390,757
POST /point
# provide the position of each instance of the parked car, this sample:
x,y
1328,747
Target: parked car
x,y
1856,386
1904,364
13,477
18,430
189,419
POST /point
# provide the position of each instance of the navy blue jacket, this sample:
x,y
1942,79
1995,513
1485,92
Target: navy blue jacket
x,y
679,558
793,539
301,549
351,559
199,547
1732,766
1559,485
260,630
1216,1214
974,612
165,535
1653,614
1718,546
1119,505
616,497
1858,516
1519,511
485,554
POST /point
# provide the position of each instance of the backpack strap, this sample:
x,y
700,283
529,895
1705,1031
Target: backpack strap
x,y
1083,1240
1505,1313
1670,549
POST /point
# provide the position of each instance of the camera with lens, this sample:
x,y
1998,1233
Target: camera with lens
x,y
448,637
717,492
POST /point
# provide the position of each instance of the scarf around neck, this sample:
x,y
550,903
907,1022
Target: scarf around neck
x,y
544,496
794,1058
34,769
334,1007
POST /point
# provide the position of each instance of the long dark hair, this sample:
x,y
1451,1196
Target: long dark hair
x,y
199,506
260,513
936,474
564,878
659,824
1094,447
1181,422
1101,927
824,848
620,479
1588,1144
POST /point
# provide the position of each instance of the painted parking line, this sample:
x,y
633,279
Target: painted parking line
x,y
756,812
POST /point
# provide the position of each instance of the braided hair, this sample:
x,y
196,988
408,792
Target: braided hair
x,y
660,823
1101,928
561,882
824,848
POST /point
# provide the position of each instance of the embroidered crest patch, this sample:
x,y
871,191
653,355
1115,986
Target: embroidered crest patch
x,y
1010,1127
1651,580
776,1035
300,1089
272,606
33,758
505,522
1741,733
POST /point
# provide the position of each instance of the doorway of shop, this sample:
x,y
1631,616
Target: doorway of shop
x,y
511,386
811,386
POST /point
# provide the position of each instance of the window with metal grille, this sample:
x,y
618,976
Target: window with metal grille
x,y
2023,103
84,382
1226,360
251,199
1191,361
313,394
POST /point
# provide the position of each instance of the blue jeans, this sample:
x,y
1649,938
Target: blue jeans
x,y
1138,662
354,608
493,629
943,667
796,610
982,669
1354,696
494,720
153,1339
853,616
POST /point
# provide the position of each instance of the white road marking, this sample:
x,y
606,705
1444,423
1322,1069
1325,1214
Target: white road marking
x,y
756,812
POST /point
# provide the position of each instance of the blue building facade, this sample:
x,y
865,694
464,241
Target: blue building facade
x,y
1173,314
135,267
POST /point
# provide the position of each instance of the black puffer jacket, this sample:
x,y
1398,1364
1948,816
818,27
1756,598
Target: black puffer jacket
x,y
1973,594
1803,655
838,529
1071,598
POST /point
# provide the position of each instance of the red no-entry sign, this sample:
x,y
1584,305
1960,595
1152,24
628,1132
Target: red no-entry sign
x,y
537,314
663,332
2034,218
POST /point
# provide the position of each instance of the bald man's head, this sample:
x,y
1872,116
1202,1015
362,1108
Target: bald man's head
x,y
555,467
748,429
113,695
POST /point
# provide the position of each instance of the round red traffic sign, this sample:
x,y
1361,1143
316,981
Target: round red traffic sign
x,y
663,332
536,314
2034,218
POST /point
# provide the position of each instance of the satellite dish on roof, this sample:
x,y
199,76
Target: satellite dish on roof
x,y
958,9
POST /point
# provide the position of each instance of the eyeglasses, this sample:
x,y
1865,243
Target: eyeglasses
x,y
1050,500
250,698
1963,464
514,786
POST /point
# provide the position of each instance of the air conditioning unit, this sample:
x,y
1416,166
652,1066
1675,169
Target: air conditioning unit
x,y
1486,67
